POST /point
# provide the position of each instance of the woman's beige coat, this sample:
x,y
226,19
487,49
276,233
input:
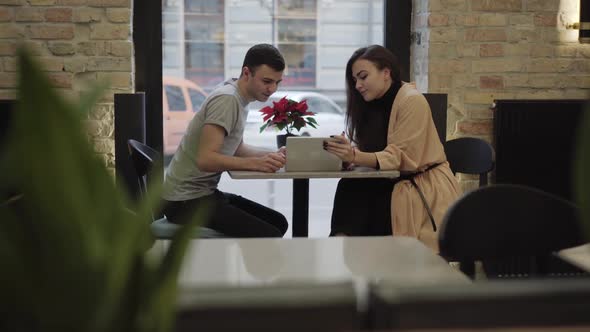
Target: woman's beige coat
x,y
413,145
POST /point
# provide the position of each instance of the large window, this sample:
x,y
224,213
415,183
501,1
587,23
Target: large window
x,y
204,43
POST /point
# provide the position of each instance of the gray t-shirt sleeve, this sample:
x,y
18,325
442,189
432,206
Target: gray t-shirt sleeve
x,y
223,111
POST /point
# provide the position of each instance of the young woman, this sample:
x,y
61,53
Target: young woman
x,y
390,127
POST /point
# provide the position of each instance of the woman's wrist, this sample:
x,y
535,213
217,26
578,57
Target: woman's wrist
x,y
353,155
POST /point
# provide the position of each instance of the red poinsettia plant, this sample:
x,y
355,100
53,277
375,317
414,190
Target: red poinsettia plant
x,y
287,114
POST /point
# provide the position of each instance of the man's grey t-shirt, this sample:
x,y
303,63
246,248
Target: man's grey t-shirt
x,y
224,107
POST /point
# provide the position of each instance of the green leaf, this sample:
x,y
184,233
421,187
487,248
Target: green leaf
x,y
164,295
299,123
264,126
72,254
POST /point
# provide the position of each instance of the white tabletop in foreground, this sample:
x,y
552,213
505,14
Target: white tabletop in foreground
x,y
578,256
359,172
254,262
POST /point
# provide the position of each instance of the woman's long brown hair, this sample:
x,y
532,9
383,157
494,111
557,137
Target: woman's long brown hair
x,y
382,58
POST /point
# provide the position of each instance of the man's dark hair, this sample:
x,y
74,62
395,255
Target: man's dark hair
x,y
263,54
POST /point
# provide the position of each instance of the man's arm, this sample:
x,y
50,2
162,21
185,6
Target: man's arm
x,y
209,159
247,150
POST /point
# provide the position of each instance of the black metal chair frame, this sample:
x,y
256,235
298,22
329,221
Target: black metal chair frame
x,y
470,155
143,158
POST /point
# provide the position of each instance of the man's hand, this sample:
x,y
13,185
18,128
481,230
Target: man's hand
x,y
269,163
283,151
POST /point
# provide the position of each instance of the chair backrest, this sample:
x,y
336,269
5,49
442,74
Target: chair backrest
x,y
142,158
470,155
438,107
503,221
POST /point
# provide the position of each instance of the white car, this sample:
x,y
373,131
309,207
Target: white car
x,y
329,116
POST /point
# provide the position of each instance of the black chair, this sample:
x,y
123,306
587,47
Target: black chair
x,y
438,107
470,155
142,158
514,230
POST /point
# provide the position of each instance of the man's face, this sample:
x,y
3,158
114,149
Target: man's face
x,y
262,83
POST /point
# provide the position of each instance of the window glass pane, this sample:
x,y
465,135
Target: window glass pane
x,y
175,98
204,64
203,28
297,7
204,42
170,4
169,57
203,6
197,99
301,65
325,106
297,30
171,34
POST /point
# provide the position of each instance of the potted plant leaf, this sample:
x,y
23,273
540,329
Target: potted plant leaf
x,y
72,256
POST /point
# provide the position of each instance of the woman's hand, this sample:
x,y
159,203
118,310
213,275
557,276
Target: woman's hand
x,y
340,146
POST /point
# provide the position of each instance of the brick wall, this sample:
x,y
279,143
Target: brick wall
x,y
480,50
78,42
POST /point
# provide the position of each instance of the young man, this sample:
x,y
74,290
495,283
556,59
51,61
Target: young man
x,y
214,143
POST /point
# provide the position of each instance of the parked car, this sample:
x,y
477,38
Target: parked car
x,y
329,115
182,98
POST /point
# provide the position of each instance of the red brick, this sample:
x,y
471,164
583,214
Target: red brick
x,y
546,20
71,2
61,48
485,35
7,48
6,14
109,31
496,5
29,15
109,3
58,15
491,50
491,82
119,48
475,127
545,5
60,80
10,30
41,2
51,32
438,20
7,80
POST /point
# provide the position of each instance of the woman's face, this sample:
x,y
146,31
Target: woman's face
x,y
371,82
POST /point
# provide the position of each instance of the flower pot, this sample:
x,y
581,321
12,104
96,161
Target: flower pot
x,y
282,139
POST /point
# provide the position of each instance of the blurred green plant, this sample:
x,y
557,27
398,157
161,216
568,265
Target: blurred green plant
x,y
582,167
72,257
